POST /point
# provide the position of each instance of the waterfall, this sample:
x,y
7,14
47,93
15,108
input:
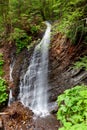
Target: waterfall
x,y
11,68
34,84
11,99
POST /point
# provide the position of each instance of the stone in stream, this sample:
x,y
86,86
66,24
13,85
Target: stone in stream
x,y
46,123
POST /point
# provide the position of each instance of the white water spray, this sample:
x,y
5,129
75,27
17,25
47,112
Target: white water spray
x,y
11,69
11,99
33,87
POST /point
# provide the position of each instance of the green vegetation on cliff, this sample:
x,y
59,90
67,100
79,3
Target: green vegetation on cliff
x,y
72,19
1,64
81,64
3,94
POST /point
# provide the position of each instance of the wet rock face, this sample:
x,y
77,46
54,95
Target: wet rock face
x,y
47,123
20,67
62,55
62,76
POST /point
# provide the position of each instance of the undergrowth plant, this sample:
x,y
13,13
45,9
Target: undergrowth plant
x,y
3,94
1,64
21,39
72,108
71,18
82,63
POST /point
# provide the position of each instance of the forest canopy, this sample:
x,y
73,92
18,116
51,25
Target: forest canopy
x,y
27,15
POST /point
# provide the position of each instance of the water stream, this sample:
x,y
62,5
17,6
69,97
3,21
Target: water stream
x,y
34,84
11,68
11,99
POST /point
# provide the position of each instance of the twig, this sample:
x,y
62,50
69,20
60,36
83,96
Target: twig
x,y
4,113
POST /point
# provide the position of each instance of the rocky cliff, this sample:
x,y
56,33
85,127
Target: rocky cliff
x,y
61,76
62,55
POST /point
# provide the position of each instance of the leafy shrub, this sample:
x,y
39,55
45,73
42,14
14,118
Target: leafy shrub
x,y
77,32
21,39
81,126
72,111
3,94
72,21
1,64
35,28
22,43
81,64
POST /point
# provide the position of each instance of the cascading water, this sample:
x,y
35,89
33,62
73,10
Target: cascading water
x,y
11,68
33,87
11,99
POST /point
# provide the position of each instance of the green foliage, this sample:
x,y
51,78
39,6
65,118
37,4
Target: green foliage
x,y
21,39
1,64
27,16
3,94
81,126
72,110
35,28
82,63
33,44
71,19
